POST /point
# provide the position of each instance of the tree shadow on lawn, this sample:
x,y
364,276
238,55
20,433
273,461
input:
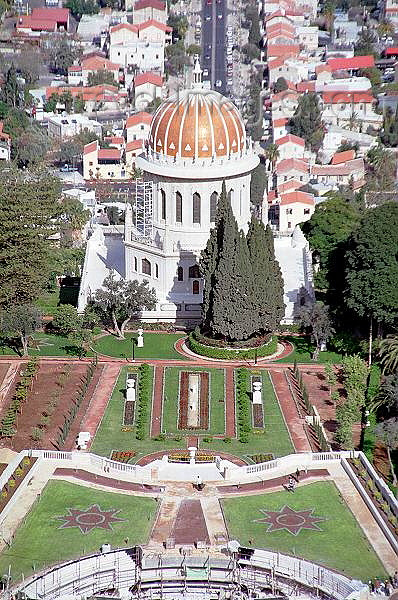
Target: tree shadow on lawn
x,y
302,344
7,344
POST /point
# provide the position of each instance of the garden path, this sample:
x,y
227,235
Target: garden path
x,y
100,399
157,401
294,423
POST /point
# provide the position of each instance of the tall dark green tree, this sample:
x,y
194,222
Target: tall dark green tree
x,y
228,311
268,282
307,121
10,94
372,268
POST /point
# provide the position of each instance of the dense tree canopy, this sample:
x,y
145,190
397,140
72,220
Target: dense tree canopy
x,y
372,266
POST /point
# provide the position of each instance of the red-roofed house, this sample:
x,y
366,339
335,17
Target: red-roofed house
x,y
108,95
96,64
352,65
353,109
275,50
280,127
133,149
102,163
141,46
138,126
350,172
148,9
342,157
146,87
290,68
284,104
5,144
290,146
294,207
292,168
43,20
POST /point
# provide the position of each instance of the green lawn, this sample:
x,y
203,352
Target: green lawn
x,y
39,541
48,302
110,435
273,438
171,401
156,345
49,345
340,544
303,349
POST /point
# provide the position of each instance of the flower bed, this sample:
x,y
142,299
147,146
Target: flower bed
x,y
229,353
257,415
15,480
122,457
375,495
128,415
185,457
203,401
260,458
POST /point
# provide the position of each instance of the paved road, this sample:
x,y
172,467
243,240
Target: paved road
x,y
214,17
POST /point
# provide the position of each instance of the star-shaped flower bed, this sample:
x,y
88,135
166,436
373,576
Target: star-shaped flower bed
x,y
86,520
291,520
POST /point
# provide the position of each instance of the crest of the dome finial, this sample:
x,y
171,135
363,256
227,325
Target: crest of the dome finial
x,y
197,73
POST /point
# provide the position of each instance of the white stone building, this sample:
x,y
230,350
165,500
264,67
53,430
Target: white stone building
x,y
197,140
64,126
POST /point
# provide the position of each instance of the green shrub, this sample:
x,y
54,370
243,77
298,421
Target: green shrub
x,y
227,440
230,353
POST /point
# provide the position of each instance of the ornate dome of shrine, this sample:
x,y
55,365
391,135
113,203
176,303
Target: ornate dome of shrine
x,y
198,124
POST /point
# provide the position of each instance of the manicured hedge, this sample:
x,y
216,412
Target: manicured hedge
x,y
231,353
369,438
243,402
144,398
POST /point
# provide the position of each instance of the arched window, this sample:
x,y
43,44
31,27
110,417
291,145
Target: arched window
x,y
195,287
180,274
156,270
196,208
146,266
163,201
194,272
135,264
213,206
231,195
178,207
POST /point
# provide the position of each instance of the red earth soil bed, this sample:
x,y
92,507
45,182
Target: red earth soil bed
x,y
3,370
17,479
257,415
45,387
203,401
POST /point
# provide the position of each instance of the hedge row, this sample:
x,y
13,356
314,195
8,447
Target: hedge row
x,y
77,402
231,353
144,397
369,437
244,407
8,426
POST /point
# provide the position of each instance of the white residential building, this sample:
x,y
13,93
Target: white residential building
x,y
65,126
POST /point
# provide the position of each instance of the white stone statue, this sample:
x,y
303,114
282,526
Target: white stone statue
x,y
130,390
257,398
140,339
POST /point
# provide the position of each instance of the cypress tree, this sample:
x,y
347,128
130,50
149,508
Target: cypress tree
x,y
268,282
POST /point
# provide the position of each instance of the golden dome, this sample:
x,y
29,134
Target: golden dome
x,y
197,123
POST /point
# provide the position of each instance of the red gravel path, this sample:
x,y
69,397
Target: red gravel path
x,y
107,481
230,419
190,525
157,400
100,399
288,407
270,483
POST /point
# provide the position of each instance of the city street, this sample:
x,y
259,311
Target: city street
x,y
214,16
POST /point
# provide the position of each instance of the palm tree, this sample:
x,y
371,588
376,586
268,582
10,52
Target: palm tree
x,y
353,121
271,154
385,28
328,13
388,353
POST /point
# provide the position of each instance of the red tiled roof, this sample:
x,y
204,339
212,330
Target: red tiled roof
x,y
292,164
280,35
134,145
73,68
342,157
115,139
88,92
391,51
347,97
3,136
276,63
157,4
97,63
121,26
141,117
356,62
109,153
284,94
280,122
283,50
148,78
271,195
280,27
26,22
305,86
323,68
346,168
294,139
91,147
297,196
289,185
154,23
60,15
